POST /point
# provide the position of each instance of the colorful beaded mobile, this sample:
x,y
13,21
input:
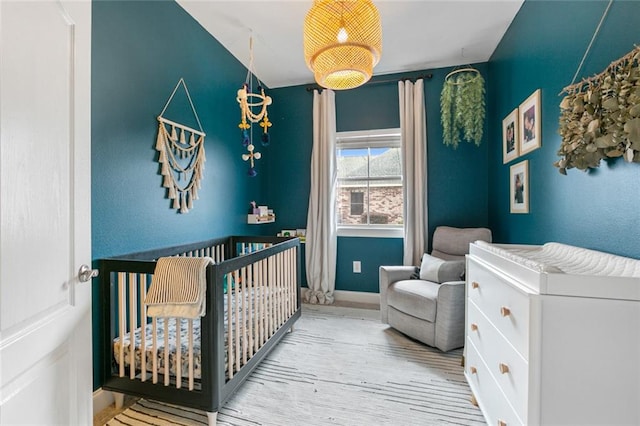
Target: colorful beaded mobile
x,y
248,101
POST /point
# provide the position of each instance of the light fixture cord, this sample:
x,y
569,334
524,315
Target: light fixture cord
x,y
595,34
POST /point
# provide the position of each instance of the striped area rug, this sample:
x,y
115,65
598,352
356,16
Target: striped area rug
x,y
340,366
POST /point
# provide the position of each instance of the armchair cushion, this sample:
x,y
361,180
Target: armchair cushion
x,y
415,297
440,271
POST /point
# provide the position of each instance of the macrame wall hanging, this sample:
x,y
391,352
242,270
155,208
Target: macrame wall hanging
x,y
253,109
181,156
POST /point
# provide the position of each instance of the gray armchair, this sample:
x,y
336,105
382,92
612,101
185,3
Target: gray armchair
x,y
429,306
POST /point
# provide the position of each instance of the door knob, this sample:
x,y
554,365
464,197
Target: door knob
x,y
85,273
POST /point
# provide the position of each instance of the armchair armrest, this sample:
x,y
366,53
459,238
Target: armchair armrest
x,y
450,315
387,276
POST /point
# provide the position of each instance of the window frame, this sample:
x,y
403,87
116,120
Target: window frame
x,y
360,139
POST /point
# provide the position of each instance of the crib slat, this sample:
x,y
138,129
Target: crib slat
x,y
178,353
245,315
292,279
285,285
259,304
143,329
276,299
122,300
154,361
191,375
166,351
272,299
133,320
267,298
236,319
281,289
294,284
253,308
229,327
278,290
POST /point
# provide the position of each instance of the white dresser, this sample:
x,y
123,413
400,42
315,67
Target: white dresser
x,y
553,335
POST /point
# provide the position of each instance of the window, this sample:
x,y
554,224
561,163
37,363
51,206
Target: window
x,y
369,186
357,203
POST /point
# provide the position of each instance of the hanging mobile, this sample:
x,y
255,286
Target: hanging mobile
x,y
248,101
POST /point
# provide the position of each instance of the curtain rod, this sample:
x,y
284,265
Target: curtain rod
x,y
374,82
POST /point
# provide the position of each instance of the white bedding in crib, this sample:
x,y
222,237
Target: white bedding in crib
x,y
172,330
173,358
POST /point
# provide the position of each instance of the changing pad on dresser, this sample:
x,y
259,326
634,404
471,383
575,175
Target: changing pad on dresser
x,y
555,268
557,257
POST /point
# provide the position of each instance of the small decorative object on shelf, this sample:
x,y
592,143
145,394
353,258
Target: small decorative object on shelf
x,y
300,233
287,233
260,214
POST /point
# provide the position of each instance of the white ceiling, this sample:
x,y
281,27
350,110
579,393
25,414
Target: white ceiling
x,y
416,34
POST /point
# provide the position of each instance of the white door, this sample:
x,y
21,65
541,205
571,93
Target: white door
x,y
45,212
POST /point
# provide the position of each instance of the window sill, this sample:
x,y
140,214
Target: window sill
x,y
370,232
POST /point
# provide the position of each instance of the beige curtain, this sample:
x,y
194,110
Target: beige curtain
x,y
321,239
413,125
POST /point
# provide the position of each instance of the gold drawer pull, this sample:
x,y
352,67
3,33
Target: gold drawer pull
x,y
502,423
473,370
504,368
475,285
474,401
474,327
505,312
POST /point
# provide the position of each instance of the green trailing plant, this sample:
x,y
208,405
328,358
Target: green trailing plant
x,y
462,108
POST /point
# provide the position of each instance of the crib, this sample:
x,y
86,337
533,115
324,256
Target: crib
x,y
252,300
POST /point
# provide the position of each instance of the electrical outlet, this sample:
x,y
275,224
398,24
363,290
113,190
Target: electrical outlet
x,y
356,267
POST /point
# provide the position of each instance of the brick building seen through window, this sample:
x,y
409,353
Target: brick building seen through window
x,y
369,188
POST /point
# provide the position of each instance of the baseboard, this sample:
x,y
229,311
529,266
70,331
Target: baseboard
x,y
101,400
357,297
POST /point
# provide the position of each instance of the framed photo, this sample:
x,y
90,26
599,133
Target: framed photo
x,y
519,187
529,128
510,149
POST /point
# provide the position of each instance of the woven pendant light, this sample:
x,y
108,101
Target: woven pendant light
x,y
342,42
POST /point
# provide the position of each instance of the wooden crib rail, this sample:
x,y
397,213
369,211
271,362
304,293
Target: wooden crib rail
x,y
192,249
262,294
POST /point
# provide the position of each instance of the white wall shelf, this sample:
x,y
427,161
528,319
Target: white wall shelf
x,y
254,219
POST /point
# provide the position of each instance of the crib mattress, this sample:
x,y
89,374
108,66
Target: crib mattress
x,y
172,331
183,327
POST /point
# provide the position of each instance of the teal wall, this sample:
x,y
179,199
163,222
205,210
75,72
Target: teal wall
x,y
542,49
457,179
140,49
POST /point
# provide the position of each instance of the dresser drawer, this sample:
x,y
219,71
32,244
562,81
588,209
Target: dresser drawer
x,y
493,403
505,364
505,305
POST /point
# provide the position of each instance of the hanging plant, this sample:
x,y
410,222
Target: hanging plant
x,y
600,117
462,107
